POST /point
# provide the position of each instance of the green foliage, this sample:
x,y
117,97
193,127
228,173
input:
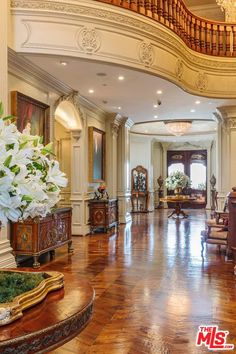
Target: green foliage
x,y
14,284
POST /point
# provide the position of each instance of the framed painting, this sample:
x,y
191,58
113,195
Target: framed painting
x,y
96,140
32,116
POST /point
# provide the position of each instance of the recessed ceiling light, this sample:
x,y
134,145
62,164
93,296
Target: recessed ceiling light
x,y
193,110
119,107
159,92
155,105
155,117
121,78
146,131
91,91
198,102
210,102
63,63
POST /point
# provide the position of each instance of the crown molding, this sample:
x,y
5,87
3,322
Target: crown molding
x,y
23,68
90,106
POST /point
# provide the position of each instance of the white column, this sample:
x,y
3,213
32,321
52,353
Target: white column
x,y
164,168
78,198
226,149
209,174
112,127
6,257
123,175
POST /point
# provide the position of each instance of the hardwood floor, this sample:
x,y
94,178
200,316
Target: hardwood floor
x,y
152,287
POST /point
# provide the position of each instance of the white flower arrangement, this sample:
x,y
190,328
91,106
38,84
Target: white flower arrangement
x,y
177,179
30,182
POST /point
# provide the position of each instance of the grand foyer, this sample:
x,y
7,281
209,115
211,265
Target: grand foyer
x,y
125,73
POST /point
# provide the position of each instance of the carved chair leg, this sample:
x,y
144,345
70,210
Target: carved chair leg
x,y
36,264
202,243
52,254
70,248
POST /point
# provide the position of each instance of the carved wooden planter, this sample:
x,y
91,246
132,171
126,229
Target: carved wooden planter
x,y
13,310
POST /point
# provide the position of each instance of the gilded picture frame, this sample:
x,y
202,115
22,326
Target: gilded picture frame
x,y
32,116
96,140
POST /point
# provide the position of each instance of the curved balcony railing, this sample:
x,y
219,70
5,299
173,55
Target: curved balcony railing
x,y
199,34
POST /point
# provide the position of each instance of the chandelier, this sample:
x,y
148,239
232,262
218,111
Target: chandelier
x,y
178,127
229,7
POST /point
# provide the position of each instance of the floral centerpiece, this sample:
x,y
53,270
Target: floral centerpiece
x,y
177,181
30,182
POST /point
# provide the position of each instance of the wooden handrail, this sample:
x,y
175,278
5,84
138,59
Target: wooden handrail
x,y
202,35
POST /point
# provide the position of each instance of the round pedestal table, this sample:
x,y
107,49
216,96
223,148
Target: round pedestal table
x,y
51,323
177,201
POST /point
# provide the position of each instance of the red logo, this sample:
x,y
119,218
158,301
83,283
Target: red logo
x,y
213,338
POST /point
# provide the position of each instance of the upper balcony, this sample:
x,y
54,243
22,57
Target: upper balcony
x,y
202,35
159,37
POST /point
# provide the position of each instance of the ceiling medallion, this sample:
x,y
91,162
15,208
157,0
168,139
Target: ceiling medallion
x,y
178,128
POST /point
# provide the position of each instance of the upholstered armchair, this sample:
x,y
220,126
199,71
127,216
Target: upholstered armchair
x,y
216,231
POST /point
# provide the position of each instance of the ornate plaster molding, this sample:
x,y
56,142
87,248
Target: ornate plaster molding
x,y
89,40
227,115
146,54
127,122
73,98
201,82
179,69
20,66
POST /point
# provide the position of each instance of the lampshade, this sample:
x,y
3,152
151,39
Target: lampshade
x,y
178,128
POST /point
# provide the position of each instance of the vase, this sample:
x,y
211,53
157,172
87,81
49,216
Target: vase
x,y
178,191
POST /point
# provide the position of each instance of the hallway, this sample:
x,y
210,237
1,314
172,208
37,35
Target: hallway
x,y
152,288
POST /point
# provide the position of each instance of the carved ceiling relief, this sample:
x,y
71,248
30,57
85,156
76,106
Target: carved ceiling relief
x,y
89,40
201,82
179,69
146,54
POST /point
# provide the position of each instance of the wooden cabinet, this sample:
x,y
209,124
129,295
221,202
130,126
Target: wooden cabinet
x,y
103,214
34,237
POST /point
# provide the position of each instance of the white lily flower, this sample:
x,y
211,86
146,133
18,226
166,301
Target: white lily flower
x,y
29,182
55,175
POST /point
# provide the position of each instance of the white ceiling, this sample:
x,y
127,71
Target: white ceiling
x,y
136,95
200,131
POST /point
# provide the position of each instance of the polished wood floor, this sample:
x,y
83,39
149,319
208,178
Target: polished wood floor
x,y
153,289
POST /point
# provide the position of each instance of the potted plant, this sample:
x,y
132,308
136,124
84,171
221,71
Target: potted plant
x,y
177,181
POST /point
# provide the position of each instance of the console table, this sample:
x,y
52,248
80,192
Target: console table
x,y
35,237
103,214
54,321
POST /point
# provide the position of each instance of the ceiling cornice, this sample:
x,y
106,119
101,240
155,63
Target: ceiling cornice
x,y
31,73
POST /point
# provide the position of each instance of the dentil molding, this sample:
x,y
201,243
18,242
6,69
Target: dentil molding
x,y
111,34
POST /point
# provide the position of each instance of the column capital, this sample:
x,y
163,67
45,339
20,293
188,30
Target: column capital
x,y
115,121
227,115
76,134
127,122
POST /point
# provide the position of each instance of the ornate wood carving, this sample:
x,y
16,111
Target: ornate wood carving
x,y
34,237
103,214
